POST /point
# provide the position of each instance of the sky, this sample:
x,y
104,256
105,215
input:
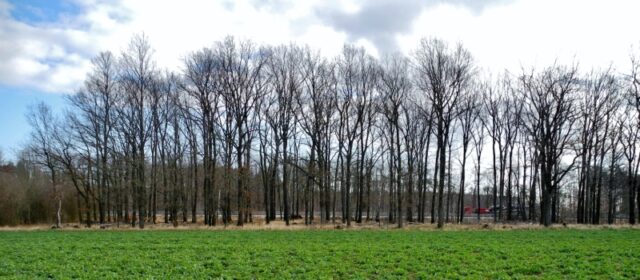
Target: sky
x,y
46,45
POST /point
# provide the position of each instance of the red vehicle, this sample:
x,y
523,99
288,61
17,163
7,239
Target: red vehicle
x,y
470,210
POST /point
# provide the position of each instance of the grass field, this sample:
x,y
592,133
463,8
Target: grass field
x,y
364,254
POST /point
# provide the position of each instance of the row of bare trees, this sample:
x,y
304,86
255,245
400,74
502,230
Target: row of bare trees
x,y
244,131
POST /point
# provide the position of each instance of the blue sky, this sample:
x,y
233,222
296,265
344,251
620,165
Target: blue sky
x,y
14,129
15,100
46,46
42,11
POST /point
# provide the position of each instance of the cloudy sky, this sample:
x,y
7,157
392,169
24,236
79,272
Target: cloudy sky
x,y
46,45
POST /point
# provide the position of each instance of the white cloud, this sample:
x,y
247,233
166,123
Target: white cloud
x,y
54,57
537,32
47,58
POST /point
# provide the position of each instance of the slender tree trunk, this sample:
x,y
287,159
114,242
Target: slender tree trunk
x,y
435,184
461,190
442,144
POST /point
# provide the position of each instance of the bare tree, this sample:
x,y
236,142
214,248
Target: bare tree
x,y
94,107
634,98
549,117
356,73
202,84
243,84
599,98
478,135
395,87
469,113
42,146
283,67
630,134
442,74
137,74
317,108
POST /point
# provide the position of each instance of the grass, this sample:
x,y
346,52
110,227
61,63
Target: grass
x,y
363,254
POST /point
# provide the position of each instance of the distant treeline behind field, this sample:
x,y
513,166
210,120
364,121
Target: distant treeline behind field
x,y
242,128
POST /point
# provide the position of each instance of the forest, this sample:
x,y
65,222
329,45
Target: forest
x,y
243,132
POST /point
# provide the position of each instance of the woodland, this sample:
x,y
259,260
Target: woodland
x,y
243,132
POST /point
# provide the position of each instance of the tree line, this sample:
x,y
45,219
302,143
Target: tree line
x,y
244,131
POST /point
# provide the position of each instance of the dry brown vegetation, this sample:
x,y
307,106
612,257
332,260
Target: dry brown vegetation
x,y
259,224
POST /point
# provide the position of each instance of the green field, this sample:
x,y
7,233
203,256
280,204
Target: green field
x,y
363,254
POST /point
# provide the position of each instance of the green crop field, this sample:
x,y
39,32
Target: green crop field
x,y
363,254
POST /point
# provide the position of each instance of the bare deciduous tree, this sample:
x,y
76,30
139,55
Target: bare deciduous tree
x,y
442,74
